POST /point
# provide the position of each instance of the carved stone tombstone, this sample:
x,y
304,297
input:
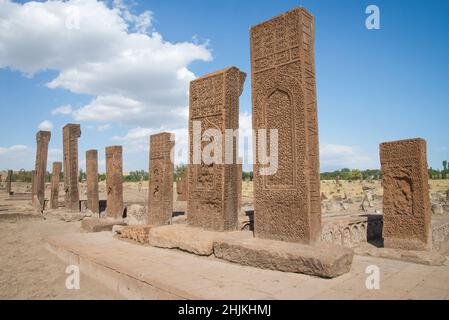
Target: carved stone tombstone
x,y
33,184
71,133
56,173
42,140
160,197
93,201
212,191
239,185
9,182
114,182
287,203
182,186
406,201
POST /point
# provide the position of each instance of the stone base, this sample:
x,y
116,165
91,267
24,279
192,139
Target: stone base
x,y
322,260
407,244
187,238
99,225
431,258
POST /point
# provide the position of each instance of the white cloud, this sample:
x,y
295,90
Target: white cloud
x,y
335,156
16,157
64,109
13,149
103,127
45,125
136,77
54,155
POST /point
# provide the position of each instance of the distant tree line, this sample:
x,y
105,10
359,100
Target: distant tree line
x,y
440,174
142,175
352,174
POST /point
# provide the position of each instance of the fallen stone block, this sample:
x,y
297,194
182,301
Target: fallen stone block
x,y
136,233
322,260
99,224
430,258
187,238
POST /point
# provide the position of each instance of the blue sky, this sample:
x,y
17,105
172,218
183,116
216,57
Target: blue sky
x,y
372,85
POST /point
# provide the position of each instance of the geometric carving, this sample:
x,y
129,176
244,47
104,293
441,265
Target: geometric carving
x,y
160,197
406,201
212,187
287,203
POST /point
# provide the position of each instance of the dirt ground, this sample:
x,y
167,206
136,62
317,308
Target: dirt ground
x,y
29,271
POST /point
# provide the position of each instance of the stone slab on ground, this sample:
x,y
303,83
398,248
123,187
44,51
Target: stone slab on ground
x,y
100,224
430,258
188,238
322,260
143,272
137,233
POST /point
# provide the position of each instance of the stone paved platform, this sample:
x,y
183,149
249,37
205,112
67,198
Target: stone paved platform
x,y
140,272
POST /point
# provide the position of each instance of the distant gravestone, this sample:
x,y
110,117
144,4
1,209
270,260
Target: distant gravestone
x,y
54,196
212,191
9,182
160,197
406,201
287,203
181,187
93,200
71,133
114,182
42,140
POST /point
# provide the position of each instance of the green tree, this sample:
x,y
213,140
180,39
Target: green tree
x,y
179,171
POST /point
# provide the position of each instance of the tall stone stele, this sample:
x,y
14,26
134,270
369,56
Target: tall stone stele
x,y
160,197
33,184
9,182
406,201
55,180
42,141
212,191
182,186
114,182
93,200
287,197
239,185
71,133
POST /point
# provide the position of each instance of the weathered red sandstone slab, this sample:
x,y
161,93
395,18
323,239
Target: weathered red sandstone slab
x,y
322,260
406,202
99,225
137,233
114,182
42,140
55,179
430,258
71,133
160,191
287,197
212,190
93,201
190,239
